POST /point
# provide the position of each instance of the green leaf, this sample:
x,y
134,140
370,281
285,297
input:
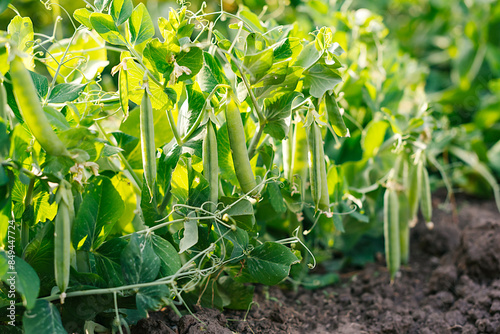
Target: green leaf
x,y
195,102
373,137
156,55
106,28
320,79
190,237
121,10
239,294
238,237
189,186
258,64
152,298
267,264
193,59
140,25
43,318
287,49
274,76
101,207
66,92
242,212
108,261
3,5
21,32
275,197
139,262
334,115
211,74
251,19
82,15
41,84
276,110
26,280
308,56
159,98
100,5
170,262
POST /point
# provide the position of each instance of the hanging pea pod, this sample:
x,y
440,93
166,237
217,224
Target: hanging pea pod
x,y
414,191
62,236
317,168
148,142
32,111
426,199
300,158
391,231
211,163
404,228
237,142
123,90
334,115
287,146
3,102
314,141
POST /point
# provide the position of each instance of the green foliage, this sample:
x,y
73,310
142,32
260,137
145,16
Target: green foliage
x,y
230,149
149,221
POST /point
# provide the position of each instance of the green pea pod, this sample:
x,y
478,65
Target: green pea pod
x,y
414,190
123,85
425,197
314,163
288,153
317,168
148,142
32,111
404,227
62,236
391,231
3,102
324,202
300,158
211,163
237,142
334,115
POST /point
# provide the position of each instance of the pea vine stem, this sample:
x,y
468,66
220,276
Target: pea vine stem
x,y
56,74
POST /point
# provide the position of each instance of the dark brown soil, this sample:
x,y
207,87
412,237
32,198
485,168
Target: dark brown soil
x,y
452,285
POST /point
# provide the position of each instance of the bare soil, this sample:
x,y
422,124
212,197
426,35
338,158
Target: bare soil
x,y
452,285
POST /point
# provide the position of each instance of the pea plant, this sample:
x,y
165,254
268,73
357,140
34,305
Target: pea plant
x,y
190,174
397,138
